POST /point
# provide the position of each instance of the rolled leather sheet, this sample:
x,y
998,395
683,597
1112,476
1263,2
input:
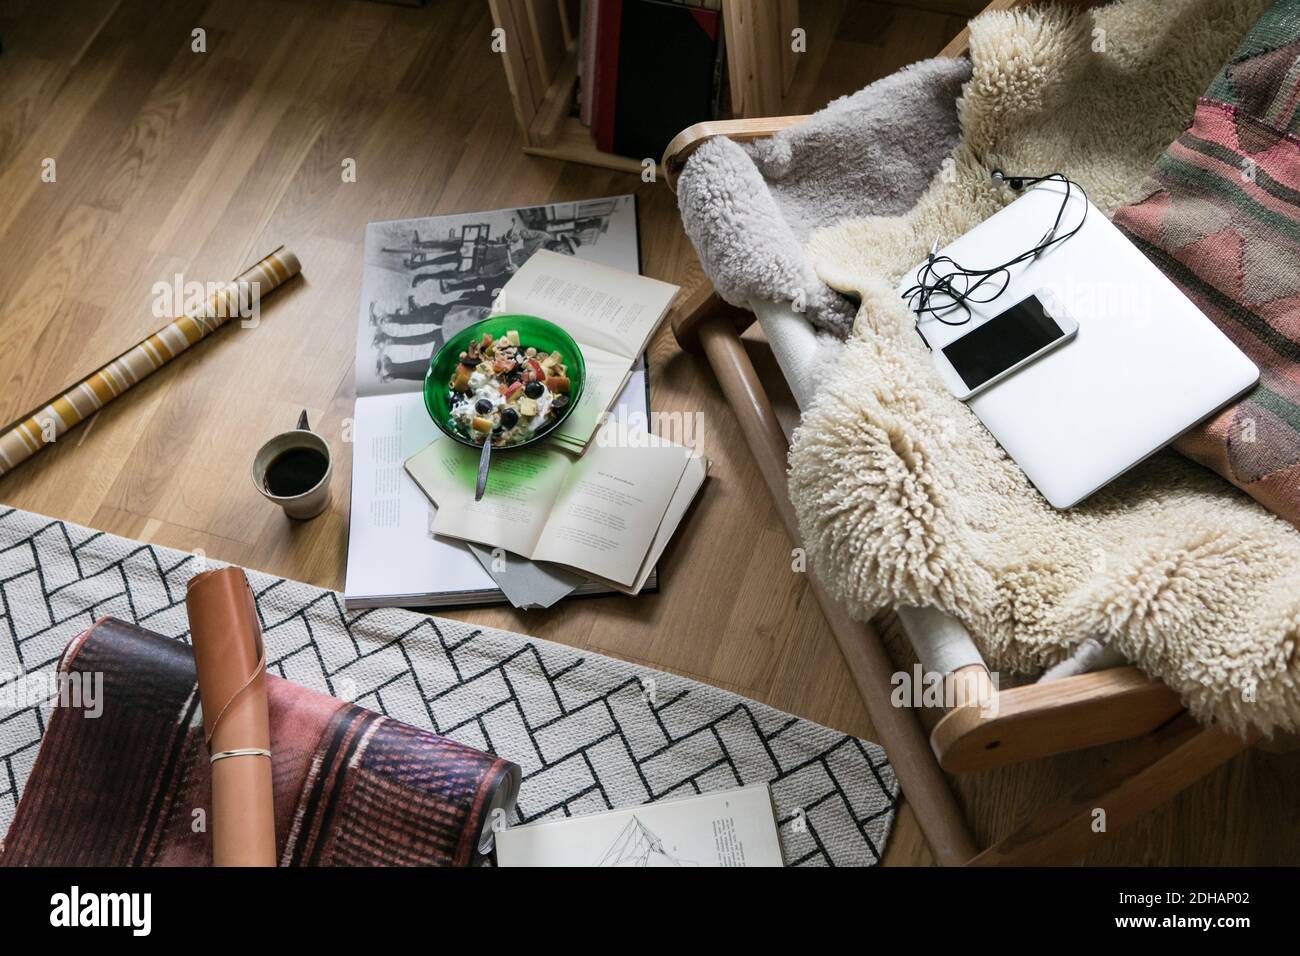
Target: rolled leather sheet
x,y
231,666
132,787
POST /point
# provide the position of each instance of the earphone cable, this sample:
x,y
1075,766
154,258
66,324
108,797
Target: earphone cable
x,y
960,287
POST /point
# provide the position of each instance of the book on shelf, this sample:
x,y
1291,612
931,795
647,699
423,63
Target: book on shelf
x,y
633,97
588,26
424,280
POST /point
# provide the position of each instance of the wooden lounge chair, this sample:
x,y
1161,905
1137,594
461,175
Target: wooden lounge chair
x,y
1170,751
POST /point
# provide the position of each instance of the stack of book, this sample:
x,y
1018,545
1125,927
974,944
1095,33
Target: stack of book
x,y
600,498
648,69
577,265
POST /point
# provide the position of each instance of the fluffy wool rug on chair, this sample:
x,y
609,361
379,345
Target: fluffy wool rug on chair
x,y
905,499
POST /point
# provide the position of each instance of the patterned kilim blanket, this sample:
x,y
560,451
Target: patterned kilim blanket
x,y
123,779
589,733
1221,218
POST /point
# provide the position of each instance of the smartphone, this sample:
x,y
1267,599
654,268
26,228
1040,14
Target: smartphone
x,y
1004,344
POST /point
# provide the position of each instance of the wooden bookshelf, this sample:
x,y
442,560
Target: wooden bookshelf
x,y
541,64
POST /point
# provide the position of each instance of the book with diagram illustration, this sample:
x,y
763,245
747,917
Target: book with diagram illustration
x,y
722,828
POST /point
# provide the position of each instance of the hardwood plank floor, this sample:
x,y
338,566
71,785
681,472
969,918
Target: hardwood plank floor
x,y
173,161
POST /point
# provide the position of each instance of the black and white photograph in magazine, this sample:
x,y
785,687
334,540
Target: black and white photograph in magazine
x,y
426,279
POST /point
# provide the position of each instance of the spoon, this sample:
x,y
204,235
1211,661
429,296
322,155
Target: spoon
x,y
483,462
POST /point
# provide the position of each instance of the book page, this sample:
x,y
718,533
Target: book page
x,y
611,504
610,313
697,469
427,279
529,584
601,307
723,828
607,373
392,554
521,489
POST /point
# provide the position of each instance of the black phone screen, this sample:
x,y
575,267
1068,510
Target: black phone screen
x,y
1003,341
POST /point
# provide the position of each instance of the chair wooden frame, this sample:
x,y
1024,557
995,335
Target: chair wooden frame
x,y
1170,751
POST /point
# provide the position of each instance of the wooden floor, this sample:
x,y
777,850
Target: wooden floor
x,y
170,161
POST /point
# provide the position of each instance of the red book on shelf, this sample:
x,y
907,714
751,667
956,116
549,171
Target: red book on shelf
x,y
656,64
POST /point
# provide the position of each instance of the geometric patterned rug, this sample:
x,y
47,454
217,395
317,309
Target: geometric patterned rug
x,y
590,732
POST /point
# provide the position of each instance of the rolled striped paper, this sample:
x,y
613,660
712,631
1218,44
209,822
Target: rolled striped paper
x,y
29,435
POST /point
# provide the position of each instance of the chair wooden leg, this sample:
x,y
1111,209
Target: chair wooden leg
x,y
922,782
1157,768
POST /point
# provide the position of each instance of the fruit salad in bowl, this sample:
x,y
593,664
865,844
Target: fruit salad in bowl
x,y
506,389
509,380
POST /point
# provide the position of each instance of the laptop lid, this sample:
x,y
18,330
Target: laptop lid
x,y
1145,366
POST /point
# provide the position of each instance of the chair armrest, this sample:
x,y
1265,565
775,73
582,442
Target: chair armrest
x,y
1039,720
741,130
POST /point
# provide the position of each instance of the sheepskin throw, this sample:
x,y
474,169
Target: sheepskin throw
x,y
903,498
1220,215
749,209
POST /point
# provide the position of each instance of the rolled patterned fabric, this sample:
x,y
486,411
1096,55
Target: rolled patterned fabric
x,y
25,437
133,786
231,666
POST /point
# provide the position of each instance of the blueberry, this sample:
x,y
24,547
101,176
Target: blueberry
x,y
509,418
534,389
483,406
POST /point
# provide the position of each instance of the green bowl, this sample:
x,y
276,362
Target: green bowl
x,y
542,335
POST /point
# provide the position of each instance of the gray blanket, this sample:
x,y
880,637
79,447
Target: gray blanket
x,y
750,209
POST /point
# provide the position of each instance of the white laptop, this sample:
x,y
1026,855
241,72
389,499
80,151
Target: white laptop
x,y
1144,366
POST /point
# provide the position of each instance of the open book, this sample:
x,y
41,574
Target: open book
x,y
610,313
608,514
720,828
